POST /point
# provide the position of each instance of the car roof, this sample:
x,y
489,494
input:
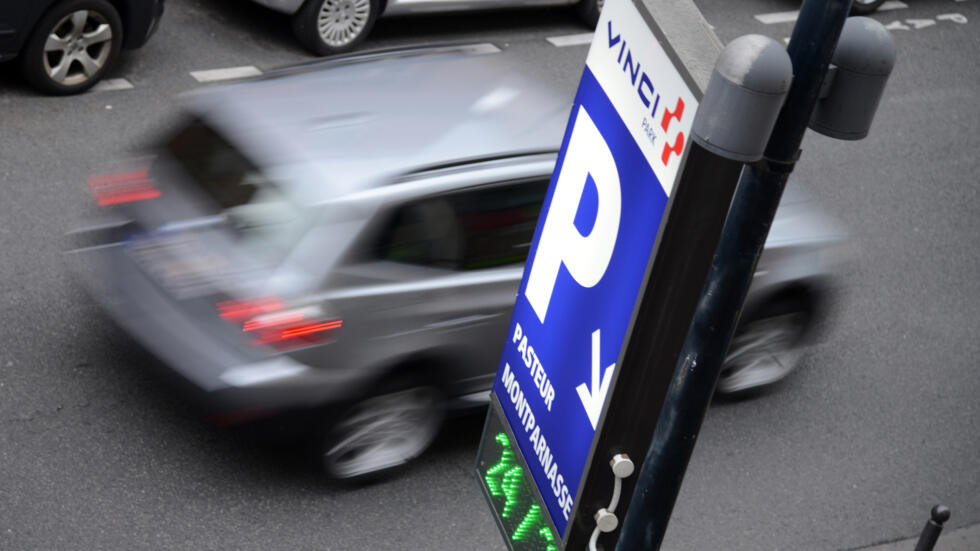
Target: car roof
x,y
361,122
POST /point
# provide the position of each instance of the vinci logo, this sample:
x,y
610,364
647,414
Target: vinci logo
x,y
642,84
670,116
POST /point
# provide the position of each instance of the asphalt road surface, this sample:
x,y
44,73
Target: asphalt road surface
x,y
882,421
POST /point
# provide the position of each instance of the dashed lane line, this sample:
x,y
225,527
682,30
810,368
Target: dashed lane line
x,y
110,84
484,48
570,40
227,73
245,71
790,16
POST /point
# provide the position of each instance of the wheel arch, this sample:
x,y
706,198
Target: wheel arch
x,y
432,366
812,292
122,8
34,13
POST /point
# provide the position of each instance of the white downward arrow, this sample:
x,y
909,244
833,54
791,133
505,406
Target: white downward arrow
x,y
592,401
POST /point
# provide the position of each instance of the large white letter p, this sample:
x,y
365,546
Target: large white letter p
x,y
585,256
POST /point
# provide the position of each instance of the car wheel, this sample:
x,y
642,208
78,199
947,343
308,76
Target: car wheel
x,y
382,432
864,7
766,347
588,11
334,26
72,47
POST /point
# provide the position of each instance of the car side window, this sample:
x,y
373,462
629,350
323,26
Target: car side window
x,y
468,230
423,233
498,223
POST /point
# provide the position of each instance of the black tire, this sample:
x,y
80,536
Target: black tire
x,y
588,11
374,436
767,345
306,24
87,51
865,7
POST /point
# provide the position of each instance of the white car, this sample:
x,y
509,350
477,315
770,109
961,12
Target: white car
x,y
335,26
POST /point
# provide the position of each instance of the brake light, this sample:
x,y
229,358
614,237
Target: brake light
x,y
240,310
270,325
272,321
284,337
123,187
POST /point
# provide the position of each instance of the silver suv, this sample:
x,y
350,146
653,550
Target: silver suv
x,y
347,238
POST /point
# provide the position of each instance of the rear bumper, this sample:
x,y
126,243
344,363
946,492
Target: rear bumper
x,y
228,384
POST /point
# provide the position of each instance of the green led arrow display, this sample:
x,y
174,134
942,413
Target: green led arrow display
x,y
513,500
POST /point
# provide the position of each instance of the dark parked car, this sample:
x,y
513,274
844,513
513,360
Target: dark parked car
x,y
66,46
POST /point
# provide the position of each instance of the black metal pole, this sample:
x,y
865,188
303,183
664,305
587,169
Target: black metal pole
x,y
753,208
932,529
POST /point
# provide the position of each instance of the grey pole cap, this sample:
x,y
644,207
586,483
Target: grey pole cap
x,y
865,47
863,60
751,79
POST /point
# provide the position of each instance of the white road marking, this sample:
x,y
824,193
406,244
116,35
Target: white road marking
x,y
570,40
228,73
790,16
897,26
485,48
917,24
778,17
892,5
110,84
920,23
954,17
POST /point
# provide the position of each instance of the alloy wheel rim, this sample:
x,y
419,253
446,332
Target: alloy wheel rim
x,y
384,432
77,47
340,22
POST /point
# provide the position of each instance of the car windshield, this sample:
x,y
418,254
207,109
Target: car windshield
x,y
263,219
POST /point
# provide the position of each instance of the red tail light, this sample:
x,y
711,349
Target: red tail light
x,y
284,337
240,310
123,187
283,330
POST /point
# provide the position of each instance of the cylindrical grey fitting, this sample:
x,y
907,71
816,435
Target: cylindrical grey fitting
x,y
746,91
863,59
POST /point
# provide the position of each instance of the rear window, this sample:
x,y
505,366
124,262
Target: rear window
x,y
263,219
214,164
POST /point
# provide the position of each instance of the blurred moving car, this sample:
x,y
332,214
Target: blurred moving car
x,y
314,241
66,46
335,26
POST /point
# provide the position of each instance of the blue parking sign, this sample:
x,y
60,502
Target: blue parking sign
x,y
618,161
